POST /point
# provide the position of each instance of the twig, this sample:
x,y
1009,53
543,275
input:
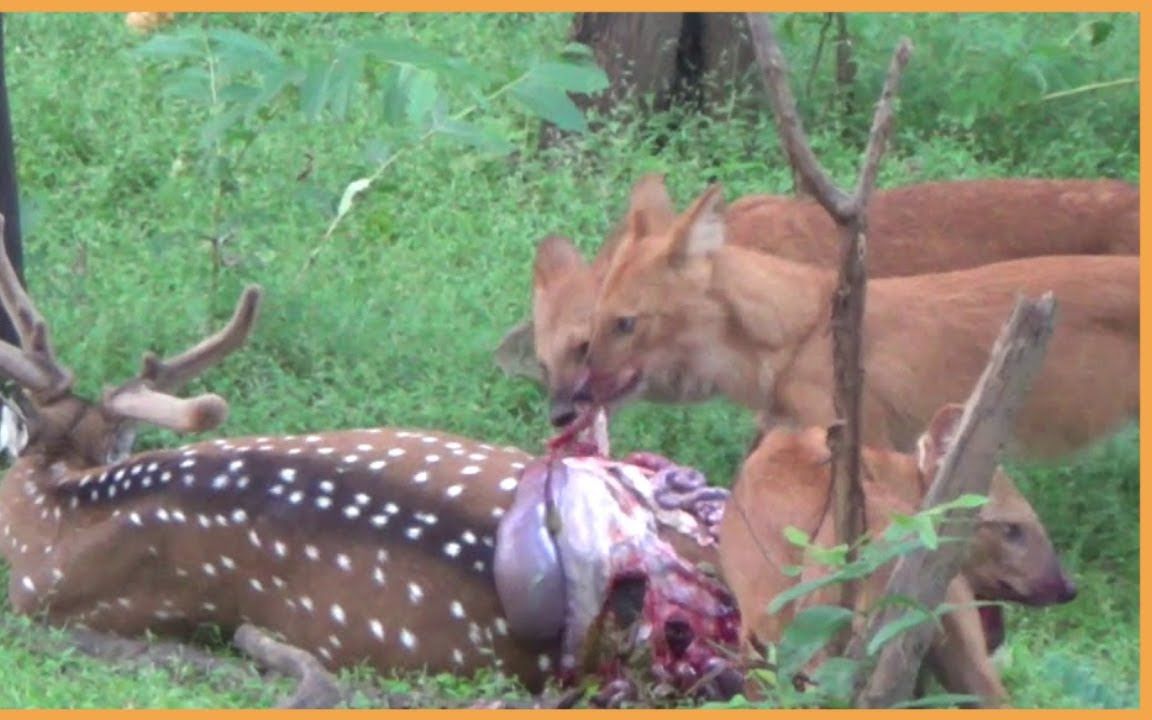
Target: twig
x,y
791,132
967,467
819,51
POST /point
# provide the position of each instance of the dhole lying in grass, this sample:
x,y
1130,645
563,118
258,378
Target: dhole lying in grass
x,y
915,229
683,310
785,481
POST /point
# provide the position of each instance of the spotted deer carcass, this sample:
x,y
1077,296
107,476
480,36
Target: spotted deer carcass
x,y
377,545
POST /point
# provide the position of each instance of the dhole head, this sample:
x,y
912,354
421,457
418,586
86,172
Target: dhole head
x,y
1010,557
652,287
563,293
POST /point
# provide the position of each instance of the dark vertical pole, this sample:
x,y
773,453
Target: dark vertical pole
x,y
9,194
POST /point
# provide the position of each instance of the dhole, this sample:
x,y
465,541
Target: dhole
x,y
682,309
785,481
915,229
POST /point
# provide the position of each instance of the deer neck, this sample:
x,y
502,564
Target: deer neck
x,y
774,309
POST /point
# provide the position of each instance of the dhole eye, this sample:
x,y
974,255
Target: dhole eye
x,y
1013,532
625,325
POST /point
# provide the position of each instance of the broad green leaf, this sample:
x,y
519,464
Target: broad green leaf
x,y
570,77
796,536
800,590
967,500
402,52
899,625
550,104
314,89
394,95
342,78
833,556
241,93
219,124
242,52
192,83
421,96
834,679
926,531
171,47
475,136
808,632
577,52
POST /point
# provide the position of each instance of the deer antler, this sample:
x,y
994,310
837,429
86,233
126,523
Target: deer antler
x,y
147,397
34,365
172,374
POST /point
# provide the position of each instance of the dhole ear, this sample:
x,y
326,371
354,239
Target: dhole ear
x,y
555,257
701,229
650,209
937,438
516,354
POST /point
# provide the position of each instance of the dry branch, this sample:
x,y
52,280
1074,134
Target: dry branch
x,y
967,468
848,302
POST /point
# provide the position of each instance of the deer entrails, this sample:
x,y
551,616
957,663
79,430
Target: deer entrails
x,y
378,545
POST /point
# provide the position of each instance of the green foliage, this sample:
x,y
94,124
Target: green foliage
x,y
1007,91
139,236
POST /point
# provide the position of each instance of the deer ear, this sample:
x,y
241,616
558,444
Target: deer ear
x,y
938,437
701,229
650,209
556,256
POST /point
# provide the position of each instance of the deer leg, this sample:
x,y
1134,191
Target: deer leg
x,y
316,687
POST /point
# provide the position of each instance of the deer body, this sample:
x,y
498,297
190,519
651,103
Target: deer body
x,y
370,545
912,230
684,310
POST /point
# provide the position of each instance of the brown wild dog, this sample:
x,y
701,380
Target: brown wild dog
x,y
686,311
914,229
785,482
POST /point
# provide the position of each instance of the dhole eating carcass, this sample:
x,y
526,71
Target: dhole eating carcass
x,y
684,310
914,229
786,481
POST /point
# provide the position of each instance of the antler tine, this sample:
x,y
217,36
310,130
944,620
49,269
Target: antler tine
x,y
141,403
172,374
34,366
147,398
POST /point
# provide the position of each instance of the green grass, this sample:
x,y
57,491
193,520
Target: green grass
x,y
396,321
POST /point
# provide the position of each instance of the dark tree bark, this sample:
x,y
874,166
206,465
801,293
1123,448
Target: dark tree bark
x,y
9,194
665,60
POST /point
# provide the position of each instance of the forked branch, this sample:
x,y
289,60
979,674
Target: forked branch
x,y
850,214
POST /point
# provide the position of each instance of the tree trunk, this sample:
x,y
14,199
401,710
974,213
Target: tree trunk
x,y
9,194
693,60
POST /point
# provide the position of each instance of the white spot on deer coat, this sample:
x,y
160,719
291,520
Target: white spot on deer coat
x,y
470,470
407,639
415,593
377,628
337,613
396,452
